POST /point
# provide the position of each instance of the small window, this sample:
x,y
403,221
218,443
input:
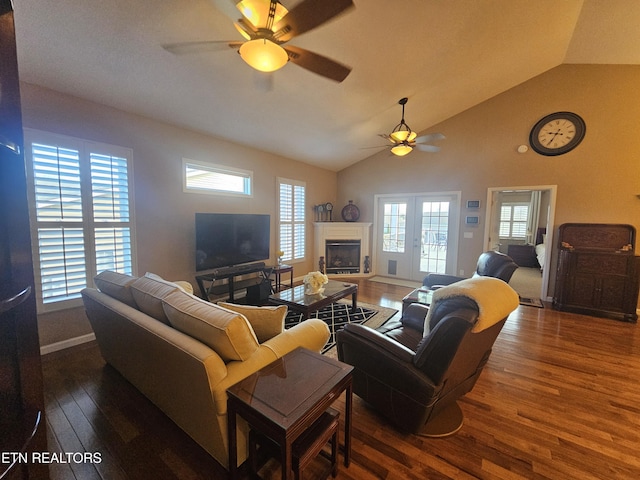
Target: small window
x,y
513,220
215,179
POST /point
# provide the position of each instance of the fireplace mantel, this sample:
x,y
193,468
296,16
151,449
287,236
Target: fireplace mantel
x,y
343,231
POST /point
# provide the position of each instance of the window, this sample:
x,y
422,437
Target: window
x,y
395,224
80,201
291,219
513,220
215,179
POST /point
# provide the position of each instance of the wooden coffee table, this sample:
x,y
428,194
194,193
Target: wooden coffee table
x,y
283,399
296,300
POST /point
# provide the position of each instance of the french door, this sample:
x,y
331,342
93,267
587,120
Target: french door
x,y
416,234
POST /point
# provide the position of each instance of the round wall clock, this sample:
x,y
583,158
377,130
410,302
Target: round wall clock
x,y
557,133
350,213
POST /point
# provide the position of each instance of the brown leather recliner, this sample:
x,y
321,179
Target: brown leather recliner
x,y
412,375
490,264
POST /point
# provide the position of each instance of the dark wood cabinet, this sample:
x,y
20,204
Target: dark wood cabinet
x,y
598,271
22,425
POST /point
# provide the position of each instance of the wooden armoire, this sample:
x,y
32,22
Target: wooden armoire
x,y
598,272
22,424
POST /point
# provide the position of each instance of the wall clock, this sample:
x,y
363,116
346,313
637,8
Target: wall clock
x,y
557,133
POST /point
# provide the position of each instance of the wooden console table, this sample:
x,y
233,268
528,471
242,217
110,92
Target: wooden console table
x,y
285,398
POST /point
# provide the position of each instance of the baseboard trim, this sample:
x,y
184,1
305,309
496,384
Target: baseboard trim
x,y
71,342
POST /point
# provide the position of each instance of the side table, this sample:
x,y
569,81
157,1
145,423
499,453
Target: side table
x,y
285,398
277,271
419,295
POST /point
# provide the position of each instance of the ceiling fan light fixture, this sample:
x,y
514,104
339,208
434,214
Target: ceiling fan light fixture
x,y
402,135
264,55
401,150
257,11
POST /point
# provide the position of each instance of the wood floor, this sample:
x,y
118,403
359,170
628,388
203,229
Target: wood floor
x,y
559,399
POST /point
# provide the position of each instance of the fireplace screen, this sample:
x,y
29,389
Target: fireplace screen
x,y
342,256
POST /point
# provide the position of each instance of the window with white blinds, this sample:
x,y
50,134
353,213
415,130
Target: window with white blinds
x,y
513,220
80,199
291,219
215,179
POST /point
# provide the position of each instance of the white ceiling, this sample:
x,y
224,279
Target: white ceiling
x,y
445,55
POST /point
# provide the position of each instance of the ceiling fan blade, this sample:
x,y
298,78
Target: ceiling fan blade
x,y
246,28
430,137
428,148
183,48
317,63
386,137
307,15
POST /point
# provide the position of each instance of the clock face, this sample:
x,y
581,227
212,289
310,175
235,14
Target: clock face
x,y
557,133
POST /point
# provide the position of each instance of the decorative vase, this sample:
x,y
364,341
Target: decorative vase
x,y
309,290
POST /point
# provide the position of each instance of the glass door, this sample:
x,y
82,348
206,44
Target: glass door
x,y
416,235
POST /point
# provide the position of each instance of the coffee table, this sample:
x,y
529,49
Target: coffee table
x,y
283,399
296,300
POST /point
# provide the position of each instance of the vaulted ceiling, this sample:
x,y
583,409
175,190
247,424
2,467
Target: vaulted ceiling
x,y
445,56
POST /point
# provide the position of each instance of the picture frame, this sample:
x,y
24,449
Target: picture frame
x,y
473,203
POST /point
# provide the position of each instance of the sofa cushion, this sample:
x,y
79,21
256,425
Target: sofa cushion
x,y
181,284
267,322
227,333
116,285
148,292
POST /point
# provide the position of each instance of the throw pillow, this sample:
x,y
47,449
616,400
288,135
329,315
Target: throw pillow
x,y
148,292
116,285
267,322
181,284
227,333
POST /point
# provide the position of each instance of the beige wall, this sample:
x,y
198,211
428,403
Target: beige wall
x,y
597,182
164,214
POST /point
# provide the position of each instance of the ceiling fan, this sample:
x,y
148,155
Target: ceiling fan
x,y
267,26
404,140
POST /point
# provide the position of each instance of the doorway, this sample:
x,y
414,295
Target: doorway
x,y
520,223
416,234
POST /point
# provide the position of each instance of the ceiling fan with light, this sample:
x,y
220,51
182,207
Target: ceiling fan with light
x,y
267,26
404,140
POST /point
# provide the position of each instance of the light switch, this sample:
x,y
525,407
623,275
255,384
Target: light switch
x,y
468,234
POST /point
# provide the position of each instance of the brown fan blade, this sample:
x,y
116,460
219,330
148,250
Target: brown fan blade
x,y
430,137
200,47
308,15
317,63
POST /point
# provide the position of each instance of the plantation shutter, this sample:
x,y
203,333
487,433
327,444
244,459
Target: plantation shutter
x,y
58,203
291,198
81,218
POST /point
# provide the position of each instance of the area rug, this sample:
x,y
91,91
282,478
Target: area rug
x,y
339,314
531,302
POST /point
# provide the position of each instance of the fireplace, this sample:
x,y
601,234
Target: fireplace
x,y
352,255
342,256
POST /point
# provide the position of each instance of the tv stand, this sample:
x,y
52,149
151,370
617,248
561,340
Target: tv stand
x,y
229,274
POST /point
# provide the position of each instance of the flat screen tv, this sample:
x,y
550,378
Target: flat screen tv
x,y
227,239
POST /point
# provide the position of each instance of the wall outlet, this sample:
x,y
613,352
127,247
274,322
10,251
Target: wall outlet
x,y
461,272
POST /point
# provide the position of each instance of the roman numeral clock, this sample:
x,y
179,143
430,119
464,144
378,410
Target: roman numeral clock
x,y
557,133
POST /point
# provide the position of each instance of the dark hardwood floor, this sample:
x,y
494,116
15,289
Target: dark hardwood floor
x,y
559,399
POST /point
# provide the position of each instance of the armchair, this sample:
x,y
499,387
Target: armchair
x,y
490,264
414,369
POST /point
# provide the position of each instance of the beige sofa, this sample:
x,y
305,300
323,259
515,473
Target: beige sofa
x,y
183,353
